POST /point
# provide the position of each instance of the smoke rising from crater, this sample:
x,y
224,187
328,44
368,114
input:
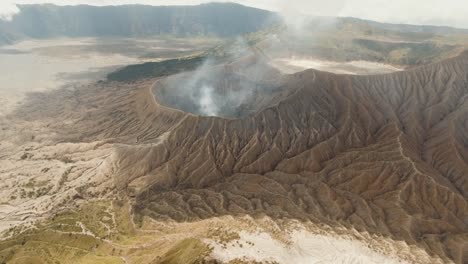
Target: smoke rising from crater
x,y
208,91
239,87
207,105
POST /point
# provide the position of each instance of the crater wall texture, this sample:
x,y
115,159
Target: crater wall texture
x,y
384,154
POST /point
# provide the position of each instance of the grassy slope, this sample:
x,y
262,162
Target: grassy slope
x,y
109,237
187,251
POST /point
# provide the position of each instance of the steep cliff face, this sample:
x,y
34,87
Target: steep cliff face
x,y
216,19
384,154
7,34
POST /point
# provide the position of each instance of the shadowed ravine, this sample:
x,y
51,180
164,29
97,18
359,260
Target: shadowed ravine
x,y
387,154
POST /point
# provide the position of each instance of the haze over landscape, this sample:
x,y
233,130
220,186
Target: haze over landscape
x,y
248,132
429,12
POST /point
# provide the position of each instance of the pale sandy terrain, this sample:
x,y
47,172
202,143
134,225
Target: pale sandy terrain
x,y
30,70
303,248
40,65
37,174
264,240
292,65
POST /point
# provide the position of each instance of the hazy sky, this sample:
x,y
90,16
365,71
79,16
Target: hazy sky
x,y
435,12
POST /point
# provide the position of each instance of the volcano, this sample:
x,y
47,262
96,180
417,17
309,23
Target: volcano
x,y
236,153
383,154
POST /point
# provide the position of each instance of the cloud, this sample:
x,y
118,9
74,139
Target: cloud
x,y
422,12
435,12
7,10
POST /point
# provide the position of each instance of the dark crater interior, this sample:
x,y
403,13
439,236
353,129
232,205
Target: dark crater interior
x,y
234,90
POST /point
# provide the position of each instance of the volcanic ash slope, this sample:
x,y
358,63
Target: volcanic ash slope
x,y
383,154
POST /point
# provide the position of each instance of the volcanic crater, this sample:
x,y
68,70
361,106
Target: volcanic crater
x,y
236,90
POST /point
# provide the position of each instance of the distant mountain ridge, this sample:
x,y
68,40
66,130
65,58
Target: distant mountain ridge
x,y
213,19
406,28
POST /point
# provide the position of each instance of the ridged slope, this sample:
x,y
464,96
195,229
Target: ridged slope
x,y
386,154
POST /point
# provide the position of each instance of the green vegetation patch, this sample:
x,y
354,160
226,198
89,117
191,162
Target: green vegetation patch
x,y
72,236
218,54
188,251
156,69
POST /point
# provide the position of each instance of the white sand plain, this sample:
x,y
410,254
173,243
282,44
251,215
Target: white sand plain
x,y
293,65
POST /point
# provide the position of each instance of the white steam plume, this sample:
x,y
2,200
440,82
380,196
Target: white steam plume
x,y
207,104
231,90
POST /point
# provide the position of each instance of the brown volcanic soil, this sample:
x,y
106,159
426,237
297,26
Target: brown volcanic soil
x,y
386,154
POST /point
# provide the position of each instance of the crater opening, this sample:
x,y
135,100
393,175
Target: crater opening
x,y
233,90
